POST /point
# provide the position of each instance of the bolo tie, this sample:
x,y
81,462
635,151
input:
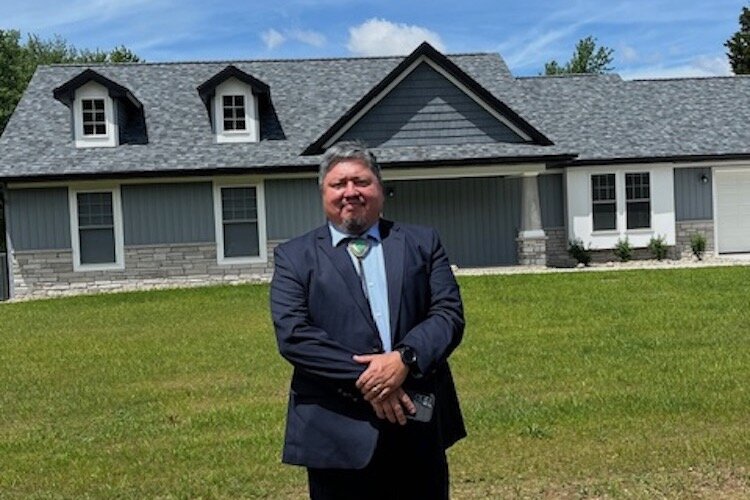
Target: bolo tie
x,y
360,247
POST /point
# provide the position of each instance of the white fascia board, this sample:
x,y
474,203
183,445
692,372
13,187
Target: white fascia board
x,y
395,174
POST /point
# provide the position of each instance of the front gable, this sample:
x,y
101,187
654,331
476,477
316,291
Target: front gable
x,y
428,100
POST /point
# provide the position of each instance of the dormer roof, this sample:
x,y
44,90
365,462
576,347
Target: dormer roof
x,y
207,89
65,93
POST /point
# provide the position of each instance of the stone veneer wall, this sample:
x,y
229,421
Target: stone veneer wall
x,y
686,229
49,273
532,251
557,248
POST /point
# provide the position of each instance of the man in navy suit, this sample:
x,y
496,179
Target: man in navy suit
x,y
367,311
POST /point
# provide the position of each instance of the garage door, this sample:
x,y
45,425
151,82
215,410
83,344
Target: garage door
x,y
477,219
733,210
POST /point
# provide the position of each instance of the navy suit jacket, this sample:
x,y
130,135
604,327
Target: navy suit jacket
x,y
322,319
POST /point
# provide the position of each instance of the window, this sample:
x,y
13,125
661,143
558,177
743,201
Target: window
x,y
234,112
94,122
604,202
96,225
240,226
95,117
637,200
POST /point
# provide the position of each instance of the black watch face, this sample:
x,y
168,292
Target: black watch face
x,y
408,355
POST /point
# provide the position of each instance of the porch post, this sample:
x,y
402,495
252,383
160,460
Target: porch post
x,y
532,242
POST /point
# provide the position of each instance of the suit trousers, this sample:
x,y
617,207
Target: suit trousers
x,y
408,464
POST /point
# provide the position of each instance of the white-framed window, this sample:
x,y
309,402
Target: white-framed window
x,y
235,111
638,200
94,120
96,228
604,202
239,214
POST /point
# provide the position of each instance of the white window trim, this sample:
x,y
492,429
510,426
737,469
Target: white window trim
x,y
650,203
621,204
260,200
233,87
93,90
613,230
119,263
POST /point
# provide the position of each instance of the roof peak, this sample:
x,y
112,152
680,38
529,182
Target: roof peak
x,y
271,60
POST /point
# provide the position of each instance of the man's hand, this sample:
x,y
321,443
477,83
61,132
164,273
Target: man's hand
x,y
395,407
384,375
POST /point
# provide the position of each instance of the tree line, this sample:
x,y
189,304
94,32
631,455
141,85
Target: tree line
x,y
20,58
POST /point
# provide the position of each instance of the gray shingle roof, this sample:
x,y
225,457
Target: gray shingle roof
x,y
596,117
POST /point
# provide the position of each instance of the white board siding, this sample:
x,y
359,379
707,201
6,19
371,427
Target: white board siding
x,y
580,218
732,210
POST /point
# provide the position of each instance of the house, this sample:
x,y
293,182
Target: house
x,y
136,175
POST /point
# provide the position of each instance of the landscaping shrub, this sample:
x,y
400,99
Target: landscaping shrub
x,y
698,245
579,252
623,250
658,247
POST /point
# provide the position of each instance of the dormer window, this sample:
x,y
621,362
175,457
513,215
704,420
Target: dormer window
x,y
233,101
234,112
94,122
104,113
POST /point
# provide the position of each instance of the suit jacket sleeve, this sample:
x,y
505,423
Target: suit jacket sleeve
x,y
304,345
439,333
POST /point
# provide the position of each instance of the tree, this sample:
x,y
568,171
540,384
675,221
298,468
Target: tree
x,y
739,45
586,59
18,61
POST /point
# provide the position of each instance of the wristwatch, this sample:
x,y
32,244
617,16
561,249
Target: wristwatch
x,y
409,358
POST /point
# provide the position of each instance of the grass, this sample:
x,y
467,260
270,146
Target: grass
x,y
631,384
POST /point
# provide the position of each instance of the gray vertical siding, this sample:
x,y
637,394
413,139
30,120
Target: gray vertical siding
x,y
39,218
478,219
692,198
167,213
293,207
426,109
551,200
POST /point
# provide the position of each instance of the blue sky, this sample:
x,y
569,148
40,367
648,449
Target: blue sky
x,y
651,39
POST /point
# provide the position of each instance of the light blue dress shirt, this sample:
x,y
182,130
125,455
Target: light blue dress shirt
x,y
376,282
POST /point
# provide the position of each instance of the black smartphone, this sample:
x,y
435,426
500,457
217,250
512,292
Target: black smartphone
x,y
425,404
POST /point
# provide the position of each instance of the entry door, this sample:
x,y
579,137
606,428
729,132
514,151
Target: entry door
x,y
733,211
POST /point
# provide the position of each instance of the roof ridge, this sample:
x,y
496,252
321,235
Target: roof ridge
x,y
235,61
683,78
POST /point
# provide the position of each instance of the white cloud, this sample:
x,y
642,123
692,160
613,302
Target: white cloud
x,y
702,66
308,37
378,37
272,38
627,53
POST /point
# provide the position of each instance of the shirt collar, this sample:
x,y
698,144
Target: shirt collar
x,y
337,236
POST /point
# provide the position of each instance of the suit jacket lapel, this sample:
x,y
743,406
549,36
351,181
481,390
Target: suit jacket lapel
x,y
339,257
393,253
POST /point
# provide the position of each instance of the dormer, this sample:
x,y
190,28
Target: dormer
x,y
104,113
233,101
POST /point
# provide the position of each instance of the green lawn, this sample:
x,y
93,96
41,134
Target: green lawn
x,y
631,384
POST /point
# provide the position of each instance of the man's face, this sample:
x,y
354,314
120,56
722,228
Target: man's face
x,y
352,196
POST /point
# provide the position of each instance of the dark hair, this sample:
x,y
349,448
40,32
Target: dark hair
x,y
348,150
